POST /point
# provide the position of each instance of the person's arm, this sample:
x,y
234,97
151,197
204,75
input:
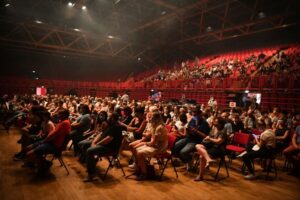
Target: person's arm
x,y
286,134
105,140
218,140
182,132
154,137
200,133
294,143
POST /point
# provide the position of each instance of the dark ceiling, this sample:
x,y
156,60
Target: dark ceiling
x,y
155,30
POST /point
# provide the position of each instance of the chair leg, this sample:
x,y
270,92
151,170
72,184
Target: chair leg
x,y
163,169
121,166
275,168
110,160
225,164
217,174
63,164
172,162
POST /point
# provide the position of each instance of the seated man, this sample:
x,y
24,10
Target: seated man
x,y
197,129
52,144
108,142
82,124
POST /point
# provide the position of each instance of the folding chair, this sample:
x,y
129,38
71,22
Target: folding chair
x,y
167,155
239,142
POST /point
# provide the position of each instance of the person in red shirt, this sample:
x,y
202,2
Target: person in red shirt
x,y
52,144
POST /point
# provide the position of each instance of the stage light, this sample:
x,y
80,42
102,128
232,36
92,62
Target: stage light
x,y
110,37
261,15
76,29
83,8
246,91
163,12
6,5
70,4
38,22
33,71
117,1
37,78
209,29
139,59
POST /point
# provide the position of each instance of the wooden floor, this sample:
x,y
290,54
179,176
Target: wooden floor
x,y
21,183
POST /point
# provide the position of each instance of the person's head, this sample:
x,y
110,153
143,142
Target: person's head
x,y
156,119
102,116
127,111
46,116
225,115
114,117
85,109
219,122
139,112
183,118
63,114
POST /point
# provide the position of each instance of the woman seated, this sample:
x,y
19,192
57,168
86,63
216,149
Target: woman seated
x,y
265,146
158,144
180,127
213,146
282,135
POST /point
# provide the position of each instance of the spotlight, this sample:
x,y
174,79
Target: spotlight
x,y
37,78
261,15
110,37
139,59
163,12
209,29
246,91
38,22
7,5
83,8
33,71
76,29
70,4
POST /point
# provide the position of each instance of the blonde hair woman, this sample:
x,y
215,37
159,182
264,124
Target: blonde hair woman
x,y
157,144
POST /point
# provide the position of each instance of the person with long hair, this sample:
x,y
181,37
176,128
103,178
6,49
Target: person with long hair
x,y
157,144
212,146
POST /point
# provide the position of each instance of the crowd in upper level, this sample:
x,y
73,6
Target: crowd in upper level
x,y
243,65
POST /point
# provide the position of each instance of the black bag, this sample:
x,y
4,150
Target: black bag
x,y
150,172
208,144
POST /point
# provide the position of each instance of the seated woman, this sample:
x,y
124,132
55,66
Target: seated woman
x,y
180,127
213,146
294,148
157,144
282,135
265,146
52,144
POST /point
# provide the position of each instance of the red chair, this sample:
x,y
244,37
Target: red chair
x,y
239,142
167,155
169,128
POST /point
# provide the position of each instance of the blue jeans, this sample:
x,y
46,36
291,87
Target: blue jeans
x,y
91,152
184,148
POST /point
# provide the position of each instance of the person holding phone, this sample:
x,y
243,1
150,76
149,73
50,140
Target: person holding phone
x,y
265,146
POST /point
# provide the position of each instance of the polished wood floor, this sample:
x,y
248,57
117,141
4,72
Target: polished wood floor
x,y
17,183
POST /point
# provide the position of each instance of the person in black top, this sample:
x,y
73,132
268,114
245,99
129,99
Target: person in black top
x,y
108,142
197,129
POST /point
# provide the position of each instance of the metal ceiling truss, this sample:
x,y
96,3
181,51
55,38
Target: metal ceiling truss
x,y
29,35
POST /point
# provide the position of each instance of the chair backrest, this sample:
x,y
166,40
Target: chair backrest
x,y
241,138
171,141
169,128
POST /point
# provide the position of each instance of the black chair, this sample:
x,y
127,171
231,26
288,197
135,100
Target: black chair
x,y
221,162
111,157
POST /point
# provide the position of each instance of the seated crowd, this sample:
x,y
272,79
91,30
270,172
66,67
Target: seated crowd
x,y
102,126
223,66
